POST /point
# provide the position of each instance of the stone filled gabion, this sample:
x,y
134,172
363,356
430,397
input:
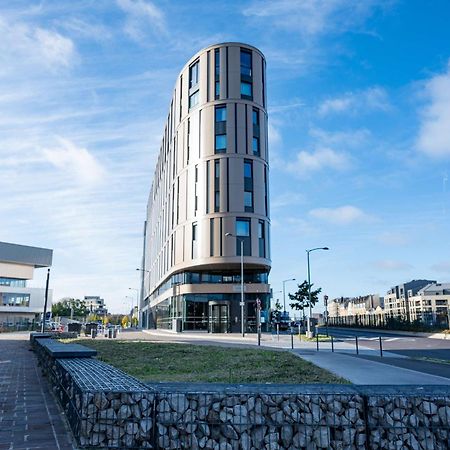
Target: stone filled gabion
x,y
115,419
259,421
409,422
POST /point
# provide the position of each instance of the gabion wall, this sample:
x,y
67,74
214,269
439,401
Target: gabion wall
x,y
107,408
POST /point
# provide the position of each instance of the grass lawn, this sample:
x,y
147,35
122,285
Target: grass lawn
x,y
150,361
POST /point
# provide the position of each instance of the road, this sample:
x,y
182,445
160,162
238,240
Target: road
x,y
411,346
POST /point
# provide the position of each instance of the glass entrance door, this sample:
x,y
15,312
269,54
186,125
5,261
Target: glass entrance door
x,y
219,318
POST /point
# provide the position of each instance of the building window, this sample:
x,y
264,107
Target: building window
x,y
221,129
217,73
193,75
194,240
193,99
217,185
248,185
188,149
255,146
211,237
261,239
248,201
256,133
13,299
246,75
246,63
246,90
14,282
243,234
196,190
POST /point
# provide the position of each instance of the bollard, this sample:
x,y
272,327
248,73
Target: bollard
x,y
93,333
356,342
381,347
292,340
317,342
278,331
110,333
332,344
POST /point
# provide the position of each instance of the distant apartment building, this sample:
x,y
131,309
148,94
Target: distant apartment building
x,y
355,306
210,197
396,302
20,304
431,303
95,305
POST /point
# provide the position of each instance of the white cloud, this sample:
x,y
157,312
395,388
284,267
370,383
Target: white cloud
x,y
314,17
351,138
342,215
372,99
434,135
443,266
141,14
319,159
389,264
75,161
393,238
23,44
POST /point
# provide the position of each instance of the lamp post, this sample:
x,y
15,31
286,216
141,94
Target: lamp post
x,y
242,280
137,303
309,333
145,313
284,293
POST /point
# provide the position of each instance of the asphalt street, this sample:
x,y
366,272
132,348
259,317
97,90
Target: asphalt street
x,y
413,346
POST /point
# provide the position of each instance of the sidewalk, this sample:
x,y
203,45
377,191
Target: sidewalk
x,y
29,417
363,371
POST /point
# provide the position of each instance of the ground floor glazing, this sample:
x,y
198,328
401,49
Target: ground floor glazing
x,y
213,313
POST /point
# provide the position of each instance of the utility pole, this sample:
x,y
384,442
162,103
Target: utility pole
x,y
45,303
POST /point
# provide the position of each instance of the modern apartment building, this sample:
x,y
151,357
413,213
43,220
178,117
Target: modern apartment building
x,y
210,194
19,304
95,305
431,304
396,300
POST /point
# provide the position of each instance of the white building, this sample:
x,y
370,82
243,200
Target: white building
x,y
431,303
19,304
95,305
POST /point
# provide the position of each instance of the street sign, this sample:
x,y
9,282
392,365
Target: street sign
x,y
241,303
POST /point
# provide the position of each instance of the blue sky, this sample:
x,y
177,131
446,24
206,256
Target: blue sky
x,y
359,110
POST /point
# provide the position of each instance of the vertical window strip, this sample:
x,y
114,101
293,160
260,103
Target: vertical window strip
x,y
227,71
235,129
246,129
207,76
181,97
228,185
207,187
221,236
211,237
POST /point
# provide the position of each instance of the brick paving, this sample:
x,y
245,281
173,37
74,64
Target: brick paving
x,y
29,415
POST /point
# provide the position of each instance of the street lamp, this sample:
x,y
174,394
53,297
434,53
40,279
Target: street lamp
x,y
284,293
242,279
309,333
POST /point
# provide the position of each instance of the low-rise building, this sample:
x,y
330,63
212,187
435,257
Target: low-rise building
x,y
20,304
95,305
396,300
364,309
431,303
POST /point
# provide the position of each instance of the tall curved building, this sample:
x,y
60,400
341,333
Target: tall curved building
x,y
210,193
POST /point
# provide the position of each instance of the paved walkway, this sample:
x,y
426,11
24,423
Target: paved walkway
x,y
29,416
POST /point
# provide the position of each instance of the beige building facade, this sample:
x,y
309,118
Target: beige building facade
x,y
20,305
210,192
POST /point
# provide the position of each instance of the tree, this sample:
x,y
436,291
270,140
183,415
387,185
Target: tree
x,y
276,314
300,299
68,307
125,321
